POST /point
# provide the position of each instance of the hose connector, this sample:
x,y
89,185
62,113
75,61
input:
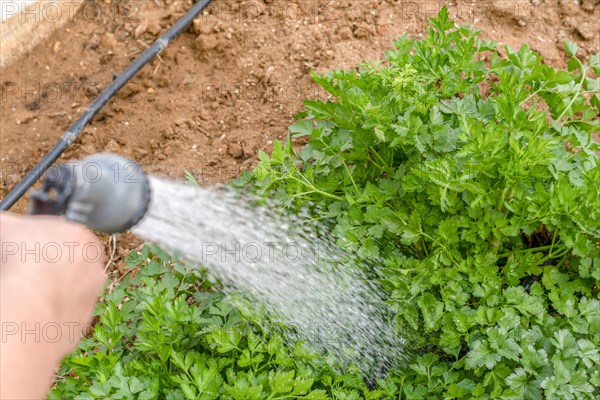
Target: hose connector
x,y
105,192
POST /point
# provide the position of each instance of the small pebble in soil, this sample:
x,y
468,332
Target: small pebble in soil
x,y
108,41
235,150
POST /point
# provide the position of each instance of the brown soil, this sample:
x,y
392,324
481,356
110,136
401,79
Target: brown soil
x,y
231,83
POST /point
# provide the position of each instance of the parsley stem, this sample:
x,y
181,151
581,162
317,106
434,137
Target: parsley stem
x,y
534,249
380,159
534,93
562,260
350,175
441,245
583,72
501,199
553,240
377,165
307,183
425,248
321,192
550,256
579,121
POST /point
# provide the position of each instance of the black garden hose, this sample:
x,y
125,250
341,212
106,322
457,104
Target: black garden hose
x,y
75,130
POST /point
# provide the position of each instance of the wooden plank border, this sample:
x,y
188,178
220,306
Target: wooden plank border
x,y
21,32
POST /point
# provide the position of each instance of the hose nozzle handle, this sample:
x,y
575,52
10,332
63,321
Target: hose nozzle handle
x,y
105,192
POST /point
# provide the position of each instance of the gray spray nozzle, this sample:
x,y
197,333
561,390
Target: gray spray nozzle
x,y
105,192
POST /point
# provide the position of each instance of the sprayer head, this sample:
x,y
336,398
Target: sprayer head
x,y
105,192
